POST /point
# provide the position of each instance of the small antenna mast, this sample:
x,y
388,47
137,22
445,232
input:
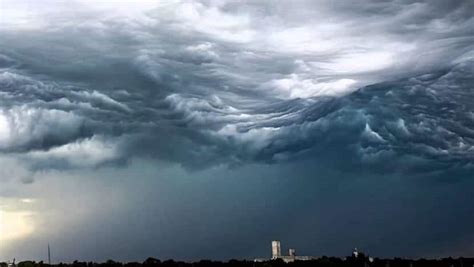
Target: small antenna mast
x,y
49,255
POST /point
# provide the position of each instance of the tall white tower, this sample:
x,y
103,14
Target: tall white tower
x,y
276,249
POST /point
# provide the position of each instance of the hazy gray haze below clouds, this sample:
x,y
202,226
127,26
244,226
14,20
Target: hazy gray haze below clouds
x,y
187,129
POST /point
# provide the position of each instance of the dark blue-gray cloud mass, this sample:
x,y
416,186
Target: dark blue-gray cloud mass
x,y
319,95
426,119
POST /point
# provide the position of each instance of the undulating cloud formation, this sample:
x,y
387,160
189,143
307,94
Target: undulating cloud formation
x,y
202,122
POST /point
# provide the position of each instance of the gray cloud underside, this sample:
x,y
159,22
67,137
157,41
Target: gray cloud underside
x,y
200,95
421,121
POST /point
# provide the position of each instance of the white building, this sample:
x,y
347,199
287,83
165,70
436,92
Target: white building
x,y
276,254
276,249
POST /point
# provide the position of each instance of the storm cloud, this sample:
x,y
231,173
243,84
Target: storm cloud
x,y
361,89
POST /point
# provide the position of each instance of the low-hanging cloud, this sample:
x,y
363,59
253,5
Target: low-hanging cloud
x,y
261,86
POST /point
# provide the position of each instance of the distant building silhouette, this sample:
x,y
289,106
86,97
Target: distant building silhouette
x,y
12,264
276,254
276,249
355,253
292,252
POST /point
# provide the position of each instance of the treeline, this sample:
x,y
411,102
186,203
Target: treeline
x,y
320,262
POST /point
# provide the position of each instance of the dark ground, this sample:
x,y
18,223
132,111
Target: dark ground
x,y
361,261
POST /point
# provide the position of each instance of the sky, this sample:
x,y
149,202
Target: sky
x,y
205,129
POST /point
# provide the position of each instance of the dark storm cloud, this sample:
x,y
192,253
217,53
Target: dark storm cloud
x,y
345,115
201,94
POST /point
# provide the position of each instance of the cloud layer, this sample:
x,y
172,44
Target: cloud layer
x,y
353,89
264,84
